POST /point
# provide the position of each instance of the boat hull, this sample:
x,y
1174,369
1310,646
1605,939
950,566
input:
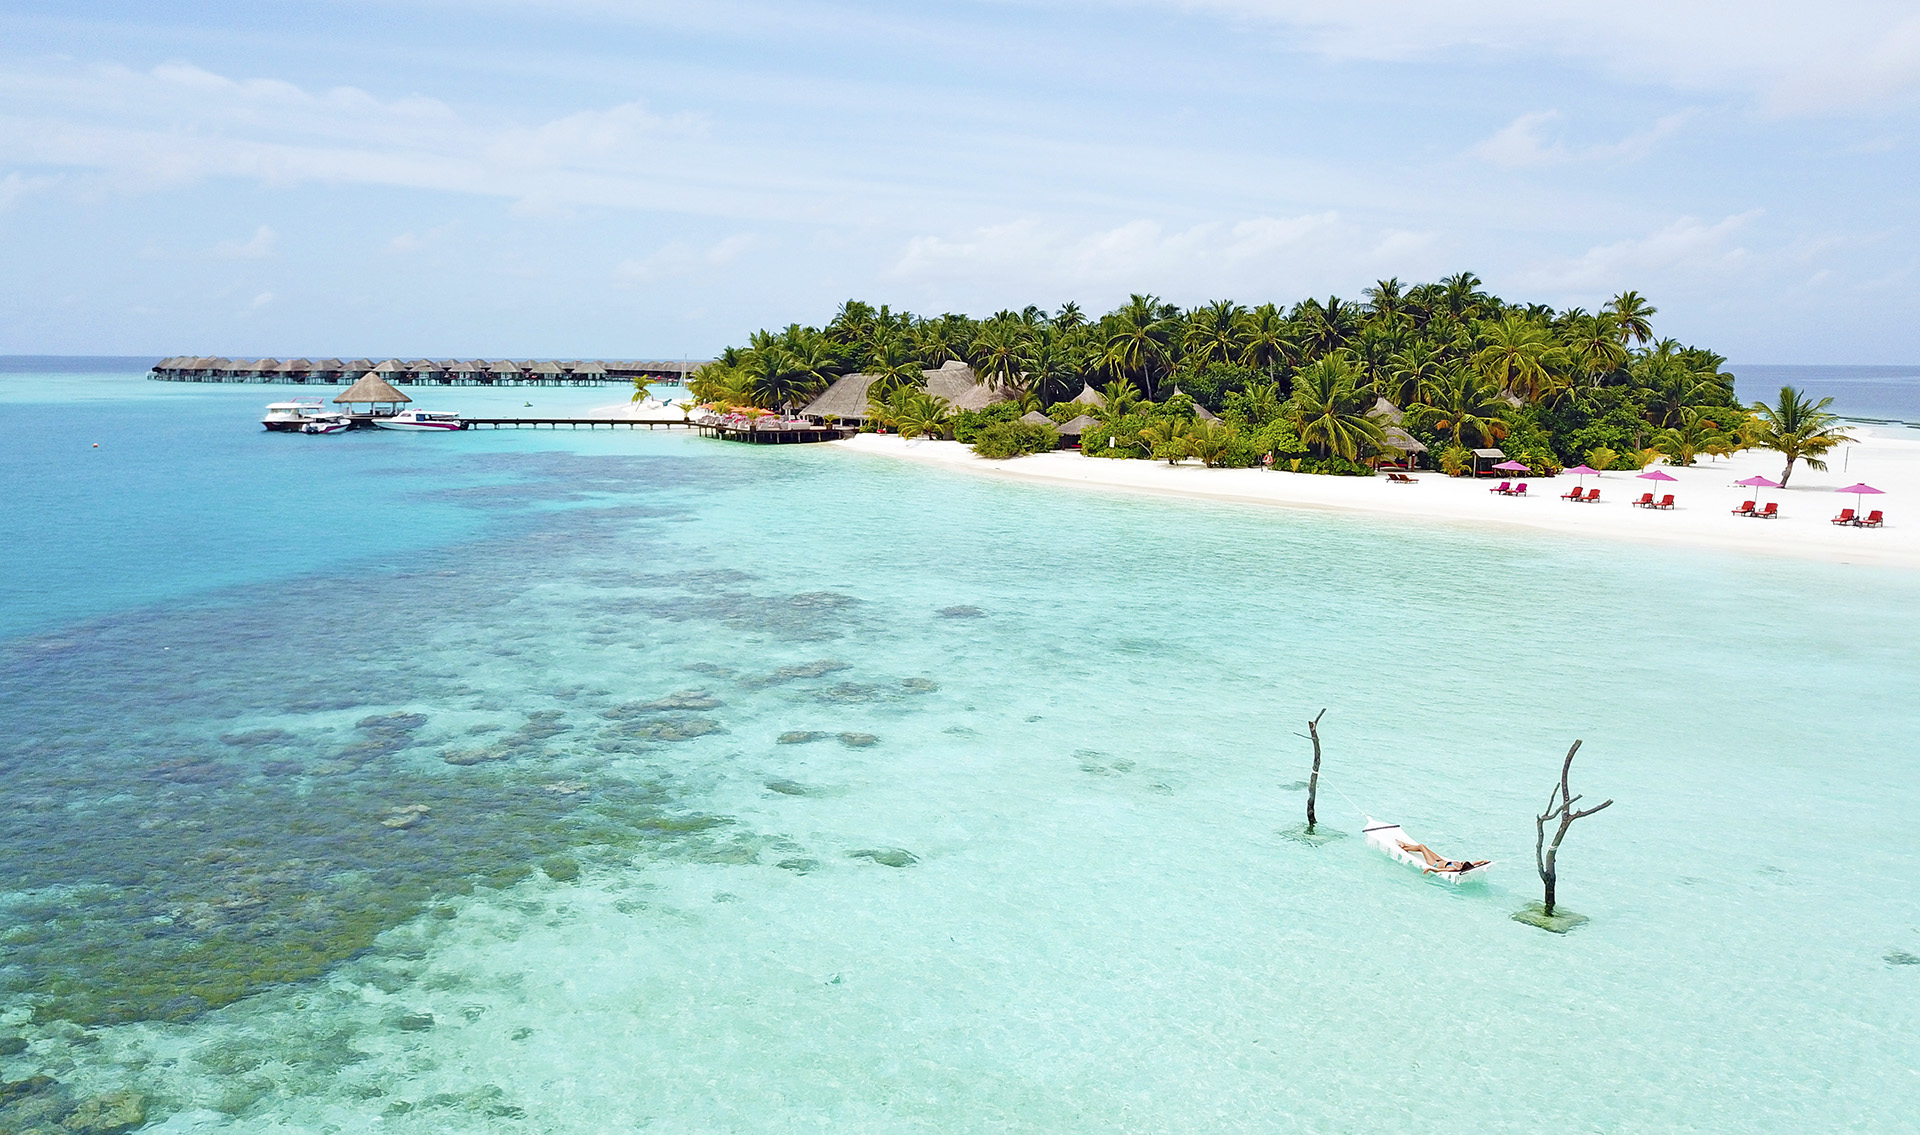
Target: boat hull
x,y
418,427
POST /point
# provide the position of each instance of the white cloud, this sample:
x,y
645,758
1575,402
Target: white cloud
x,y
262,300
1687,246
1793,56
679,259
259,246
1525,142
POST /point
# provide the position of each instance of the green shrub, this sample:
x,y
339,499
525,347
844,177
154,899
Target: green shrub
x,y
1456,460
1334,467
1602,458
967,424
1002,440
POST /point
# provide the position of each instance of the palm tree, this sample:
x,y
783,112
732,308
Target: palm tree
x,y
1214,333
1631,317
1120,398
1136,346
1323,329
1797,429
774,377
1069,316
1265,339
1330,414
1518,356
1410,370
1050,363
893,364
1695,434
1464,405
1384,299
1460,294
1209,441
996,353
1167,438
920,413
1595,344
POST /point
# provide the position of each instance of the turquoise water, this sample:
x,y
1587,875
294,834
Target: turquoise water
x,y
1022,861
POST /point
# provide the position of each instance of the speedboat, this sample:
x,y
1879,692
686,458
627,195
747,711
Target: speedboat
x,y
1398,845
327,424
292,417
420,420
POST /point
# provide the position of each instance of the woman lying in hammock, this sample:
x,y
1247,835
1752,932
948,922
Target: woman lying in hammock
x,y
1436,862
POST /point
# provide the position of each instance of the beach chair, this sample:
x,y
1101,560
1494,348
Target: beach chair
x,y
1401,479
1874,520
1745,509
1501,487
1572,496
1665,501
1519,490
1771,512
1845,517
1645,501
1593,496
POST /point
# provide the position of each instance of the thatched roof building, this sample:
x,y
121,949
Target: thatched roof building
x,y
545,369
846,400
595,369
1403,441
372,388
1088,396
1076,427
391,366
505,368
1036,418
1386,411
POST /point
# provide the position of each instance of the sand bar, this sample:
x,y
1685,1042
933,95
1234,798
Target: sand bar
x,y
1705,495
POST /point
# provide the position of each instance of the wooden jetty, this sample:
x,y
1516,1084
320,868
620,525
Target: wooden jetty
x,y
782,433
570,423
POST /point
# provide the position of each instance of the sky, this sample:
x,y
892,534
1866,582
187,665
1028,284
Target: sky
x,y
625,178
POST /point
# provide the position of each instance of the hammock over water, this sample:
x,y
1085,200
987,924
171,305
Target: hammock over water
x,y
1397,844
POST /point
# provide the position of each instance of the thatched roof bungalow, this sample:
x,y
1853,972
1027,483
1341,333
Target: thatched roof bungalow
x,y
1088,396
1076,427
595,369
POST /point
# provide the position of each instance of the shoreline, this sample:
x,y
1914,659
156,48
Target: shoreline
x,y
1702,516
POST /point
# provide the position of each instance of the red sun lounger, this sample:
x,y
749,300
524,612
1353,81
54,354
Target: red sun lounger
x,y
1845,517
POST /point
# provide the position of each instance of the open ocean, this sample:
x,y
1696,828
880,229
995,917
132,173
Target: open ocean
x,y
604,781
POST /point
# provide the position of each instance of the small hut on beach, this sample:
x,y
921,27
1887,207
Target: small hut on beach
x,y
373,392
1410,447
846,400
1485,459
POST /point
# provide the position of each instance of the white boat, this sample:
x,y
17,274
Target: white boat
x,y
420,420
331,424
1398,845
293,417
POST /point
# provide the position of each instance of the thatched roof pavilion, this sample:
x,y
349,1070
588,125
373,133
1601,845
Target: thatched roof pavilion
x,y
845,400
1076,427
1036,418
1088,396
1403,441
372,389
1386,411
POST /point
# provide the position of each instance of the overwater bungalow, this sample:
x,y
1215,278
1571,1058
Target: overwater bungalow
x,y
594,371
505,370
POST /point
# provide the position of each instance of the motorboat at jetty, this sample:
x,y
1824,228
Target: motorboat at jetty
x,y
420,420
1397,844
330,424
296,416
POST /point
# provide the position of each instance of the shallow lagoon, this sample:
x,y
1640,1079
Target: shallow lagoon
x,y
1029,870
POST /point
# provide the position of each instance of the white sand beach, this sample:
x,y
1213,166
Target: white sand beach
x,y
1705,495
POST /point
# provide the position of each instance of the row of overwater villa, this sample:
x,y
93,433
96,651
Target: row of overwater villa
x,y
427,372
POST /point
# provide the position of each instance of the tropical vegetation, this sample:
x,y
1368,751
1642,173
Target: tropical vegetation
x,y
1300,387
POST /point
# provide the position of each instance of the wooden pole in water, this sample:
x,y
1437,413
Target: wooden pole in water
x,y
1313,780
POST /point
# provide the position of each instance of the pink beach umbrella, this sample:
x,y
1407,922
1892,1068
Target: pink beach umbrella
x,y
1757,482
1859,490
1511,467
1657,475
1581,472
